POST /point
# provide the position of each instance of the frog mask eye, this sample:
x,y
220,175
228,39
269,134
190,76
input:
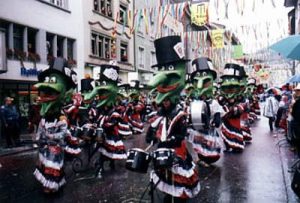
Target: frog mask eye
x,y
171,67
52,80
47,79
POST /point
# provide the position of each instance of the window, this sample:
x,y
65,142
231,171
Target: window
x,y
31,40
94,45
70,45
18,37
101,46
49,38
59,3
141,26
141,57
153,58
60,46
4,26
123,14
124,52
103,6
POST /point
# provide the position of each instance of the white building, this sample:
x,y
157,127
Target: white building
x,y
107,36
36,31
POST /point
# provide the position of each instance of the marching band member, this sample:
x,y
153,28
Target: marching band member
x,y
169,127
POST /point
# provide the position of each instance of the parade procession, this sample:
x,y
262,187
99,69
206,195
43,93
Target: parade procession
x,y
152,101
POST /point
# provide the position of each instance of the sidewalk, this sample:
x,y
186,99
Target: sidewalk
x,y
26,145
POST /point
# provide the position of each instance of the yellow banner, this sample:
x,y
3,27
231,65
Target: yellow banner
x,y
199,13
217,38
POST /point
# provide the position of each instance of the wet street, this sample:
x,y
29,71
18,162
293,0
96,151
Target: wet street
x,y
259,174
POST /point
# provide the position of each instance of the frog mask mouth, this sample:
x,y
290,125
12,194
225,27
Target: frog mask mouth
x,y
230,87
52,93
47,94
106,95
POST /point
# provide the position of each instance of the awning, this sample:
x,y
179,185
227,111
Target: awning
x,y
290,3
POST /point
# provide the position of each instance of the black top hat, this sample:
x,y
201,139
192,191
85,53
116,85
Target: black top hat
x,y
169,50
86,84
203,64
136,84
60,66
232,70
243,73
109,73
124,86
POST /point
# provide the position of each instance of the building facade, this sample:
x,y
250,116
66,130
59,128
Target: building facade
x,y
107,36
34,32
145,55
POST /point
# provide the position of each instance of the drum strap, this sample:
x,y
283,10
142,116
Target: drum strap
x,y
208,109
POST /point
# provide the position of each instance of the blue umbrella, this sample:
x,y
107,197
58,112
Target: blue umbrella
x,y
294,79
288,47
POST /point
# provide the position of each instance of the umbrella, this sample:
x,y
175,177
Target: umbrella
x,y
274,90
288,47
294,79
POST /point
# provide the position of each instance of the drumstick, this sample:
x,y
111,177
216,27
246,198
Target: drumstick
x,y
151,144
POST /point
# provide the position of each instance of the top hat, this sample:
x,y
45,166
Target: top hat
x,y
243,73
169,50
86,84
232,70
203,64
125,86
251,81
136,85
60,66
109,73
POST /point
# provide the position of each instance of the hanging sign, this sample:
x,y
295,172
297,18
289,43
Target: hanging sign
x,y
199,13
237,51
217,38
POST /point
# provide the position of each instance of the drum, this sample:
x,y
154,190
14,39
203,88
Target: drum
x,y
163,158
77,132
87,133
137,160
199,115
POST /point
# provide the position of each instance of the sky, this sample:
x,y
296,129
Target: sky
x,y
261,24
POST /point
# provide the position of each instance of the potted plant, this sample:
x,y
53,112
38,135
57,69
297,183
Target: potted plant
x,y
72,62
50,58
9,53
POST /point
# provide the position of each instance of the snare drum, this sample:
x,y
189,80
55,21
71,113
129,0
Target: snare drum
x,y
87,133
77,132
137,160
163,158
199,115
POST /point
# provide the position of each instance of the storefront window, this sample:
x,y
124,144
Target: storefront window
x,y
23,94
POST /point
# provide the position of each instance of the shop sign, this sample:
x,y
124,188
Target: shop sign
x,y
30,72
